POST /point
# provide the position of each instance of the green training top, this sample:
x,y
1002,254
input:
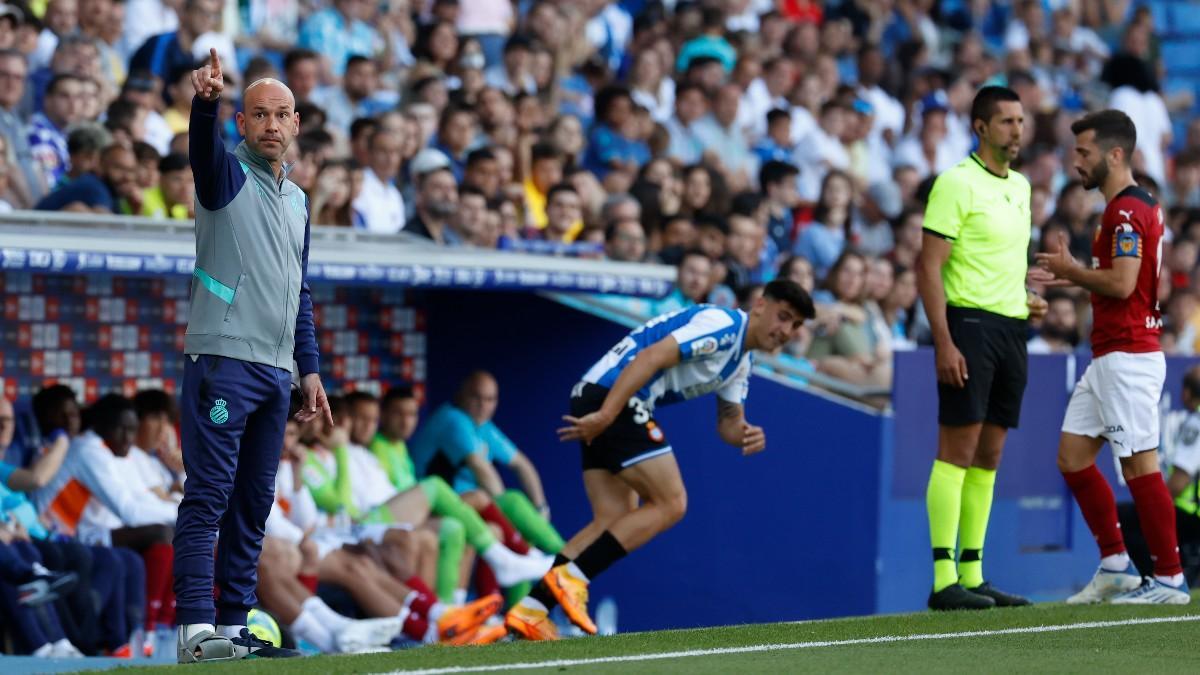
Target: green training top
x,y
396,462
332,493
988,220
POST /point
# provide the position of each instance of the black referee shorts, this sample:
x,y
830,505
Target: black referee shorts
x,y
997,367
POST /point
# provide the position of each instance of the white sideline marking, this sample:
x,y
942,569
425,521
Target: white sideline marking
x,y
750,649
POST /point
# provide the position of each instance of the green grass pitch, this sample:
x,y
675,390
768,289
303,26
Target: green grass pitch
x,y
1044,639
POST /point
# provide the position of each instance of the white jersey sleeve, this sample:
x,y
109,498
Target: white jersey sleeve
x,y
100,473
302,509
1186,457
701,336
371,485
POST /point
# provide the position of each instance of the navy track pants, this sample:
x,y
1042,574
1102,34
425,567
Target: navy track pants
x,y
233,414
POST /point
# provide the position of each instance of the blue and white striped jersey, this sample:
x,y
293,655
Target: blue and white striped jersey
x,y
712,356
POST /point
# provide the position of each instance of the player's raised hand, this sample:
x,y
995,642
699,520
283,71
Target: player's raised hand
x,y
1058,261
208,80
585,428
754,439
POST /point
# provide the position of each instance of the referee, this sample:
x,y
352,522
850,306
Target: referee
x,y
971,274
251,317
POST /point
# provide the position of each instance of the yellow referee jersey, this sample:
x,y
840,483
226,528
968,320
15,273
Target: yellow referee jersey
x,y
987,217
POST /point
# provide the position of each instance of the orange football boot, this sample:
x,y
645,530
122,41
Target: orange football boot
x,y
486,635
572,593
530,623
457,625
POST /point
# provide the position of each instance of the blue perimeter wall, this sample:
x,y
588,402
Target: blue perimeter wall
x,y
829,521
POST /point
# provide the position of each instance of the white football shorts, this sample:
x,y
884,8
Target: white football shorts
x,y
1117,399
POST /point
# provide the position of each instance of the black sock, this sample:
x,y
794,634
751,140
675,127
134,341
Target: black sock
x,y
560,559
543,595
600,555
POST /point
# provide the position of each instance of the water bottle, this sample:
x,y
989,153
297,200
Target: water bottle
x,y
606,617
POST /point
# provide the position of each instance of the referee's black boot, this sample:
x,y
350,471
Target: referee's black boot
x,y
1002,599
955,596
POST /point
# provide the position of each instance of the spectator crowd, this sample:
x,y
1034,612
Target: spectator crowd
x,y
738,140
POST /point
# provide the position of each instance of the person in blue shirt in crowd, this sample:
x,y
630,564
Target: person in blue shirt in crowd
x,y
166,53
609,146
777,145
111,190
629,469
835,219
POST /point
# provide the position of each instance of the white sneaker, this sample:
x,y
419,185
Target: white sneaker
x,y
1154,592
1106,585
511,568
63,649
357,637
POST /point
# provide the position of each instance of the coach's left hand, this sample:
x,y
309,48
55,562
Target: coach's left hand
x,y
754,439
315,400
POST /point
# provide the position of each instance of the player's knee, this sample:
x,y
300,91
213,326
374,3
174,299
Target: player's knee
x,y
988,457
416,544
350,563
674,508
403,543
1071,458
269,555
309,551
292,558
1067,463
476,499
1139,465
451,530
427,540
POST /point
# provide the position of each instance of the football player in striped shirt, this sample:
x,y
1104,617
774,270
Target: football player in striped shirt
x,y
626,456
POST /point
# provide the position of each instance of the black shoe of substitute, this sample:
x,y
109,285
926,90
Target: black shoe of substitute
x,y
955,596
250,646
1002,599
46,586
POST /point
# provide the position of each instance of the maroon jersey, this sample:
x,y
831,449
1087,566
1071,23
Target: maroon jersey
x,y
1132,227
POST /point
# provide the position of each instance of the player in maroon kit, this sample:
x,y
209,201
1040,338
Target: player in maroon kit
x,y
1116,400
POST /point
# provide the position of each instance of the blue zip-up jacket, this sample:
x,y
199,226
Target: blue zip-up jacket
x,y
250,298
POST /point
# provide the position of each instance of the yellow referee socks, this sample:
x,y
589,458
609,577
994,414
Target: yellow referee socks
x,y
977,490
943,501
